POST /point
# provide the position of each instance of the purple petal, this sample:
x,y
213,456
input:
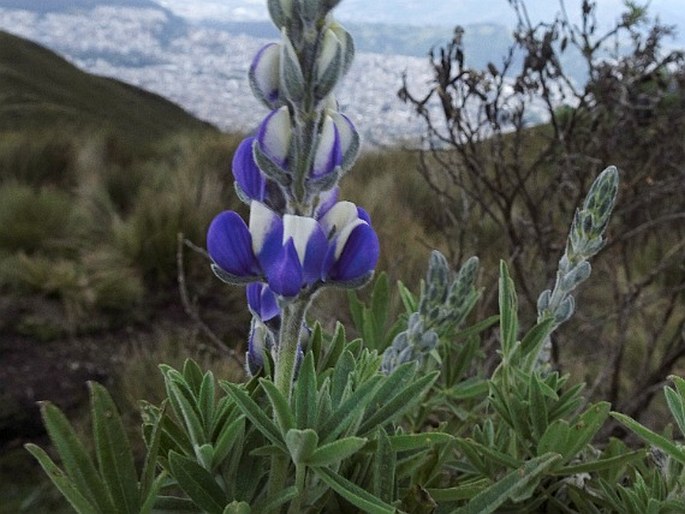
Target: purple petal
x,y
359,255
266,228
310,243
363,215
327,199
246,173
262,301
230,245
285,276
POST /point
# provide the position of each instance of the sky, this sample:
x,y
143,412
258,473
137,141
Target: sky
x,y
427,12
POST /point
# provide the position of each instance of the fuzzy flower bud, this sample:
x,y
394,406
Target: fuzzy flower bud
x,y
274,136
281,11
264,75
328,152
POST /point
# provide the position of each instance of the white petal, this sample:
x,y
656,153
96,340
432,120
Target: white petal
x,y
326,143
262,221
266,70
338,217
300,228
277,135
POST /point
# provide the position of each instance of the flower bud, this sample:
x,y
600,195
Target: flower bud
x,y
330,54
259,342
329,63
264,75
250,182
274,136
262,302
354,248
349,139
328,152
292,80
281,11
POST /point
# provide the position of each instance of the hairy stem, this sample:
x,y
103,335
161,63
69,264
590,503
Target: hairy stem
x,y
286,356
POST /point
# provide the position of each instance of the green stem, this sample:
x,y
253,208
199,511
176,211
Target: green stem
x,y
292,319
278,475
296,505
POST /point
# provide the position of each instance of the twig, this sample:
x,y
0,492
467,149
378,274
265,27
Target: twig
x,y
189,308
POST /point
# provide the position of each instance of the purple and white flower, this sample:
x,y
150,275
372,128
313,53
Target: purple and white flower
x,y
292,253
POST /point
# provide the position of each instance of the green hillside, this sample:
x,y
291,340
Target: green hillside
x,y
39,89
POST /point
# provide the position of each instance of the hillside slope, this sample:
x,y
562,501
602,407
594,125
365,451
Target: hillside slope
x,y
39,89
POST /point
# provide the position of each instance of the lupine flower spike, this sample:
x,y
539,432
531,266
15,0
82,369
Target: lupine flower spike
x,y
299,238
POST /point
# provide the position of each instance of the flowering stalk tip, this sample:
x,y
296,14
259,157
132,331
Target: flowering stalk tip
x,y
299,238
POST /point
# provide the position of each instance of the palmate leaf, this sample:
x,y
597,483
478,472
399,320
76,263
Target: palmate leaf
x,y
466,490
193,376
383,471
349,410
392,402
206,399
537,406
334,452
186,411
271,503
508,311
305,394
63,483
676,401
237,508
254,413
279,404
229,436
569,439
113,451
490,499
671,448
152,493
197,483
341,376
175,505
410,442
370,320
353,493
301,444
615,462
147,477
77,463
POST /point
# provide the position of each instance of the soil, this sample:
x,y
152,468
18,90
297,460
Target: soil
x,y
57,371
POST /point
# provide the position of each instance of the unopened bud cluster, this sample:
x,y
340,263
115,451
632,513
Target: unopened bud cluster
x,y
299,236
445,301
585,239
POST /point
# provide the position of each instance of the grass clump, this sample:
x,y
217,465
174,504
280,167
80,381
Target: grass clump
x,y
35,219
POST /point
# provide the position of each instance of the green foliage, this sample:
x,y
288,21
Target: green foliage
x,y
35,219
112,486
351,437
